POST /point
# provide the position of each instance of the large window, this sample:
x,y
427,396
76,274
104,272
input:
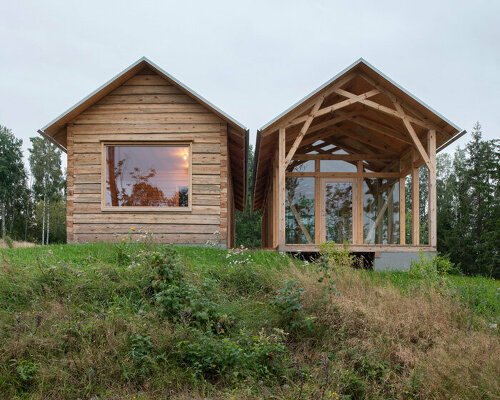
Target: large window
x,y
381,211
300,210
147,175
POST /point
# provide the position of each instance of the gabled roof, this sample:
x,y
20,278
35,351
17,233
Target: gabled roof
x,y
367,124
55,131
52,130
368,68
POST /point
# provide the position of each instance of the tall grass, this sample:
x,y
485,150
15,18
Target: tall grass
x,y
83,321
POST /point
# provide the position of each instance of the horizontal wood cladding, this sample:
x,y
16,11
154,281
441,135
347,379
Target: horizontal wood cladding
x,y
194,238
147,108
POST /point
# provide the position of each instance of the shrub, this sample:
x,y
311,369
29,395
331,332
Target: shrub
x,y
9,242
430,268
335,256
211,355
180,300
289,306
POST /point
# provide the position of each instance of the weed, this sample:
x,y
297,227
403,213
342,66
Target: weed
x,y
290,309
336,256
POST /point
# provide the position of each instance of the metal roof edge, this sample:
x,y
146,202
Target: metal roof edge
x,y
52,140
152,64
345,70
93,93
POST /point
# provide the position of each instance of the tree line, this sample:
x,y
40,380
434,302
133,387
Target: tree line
x,y
33,203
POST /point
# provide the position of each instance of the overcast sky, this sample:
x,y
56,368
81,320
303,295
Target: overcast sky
x,y
252,59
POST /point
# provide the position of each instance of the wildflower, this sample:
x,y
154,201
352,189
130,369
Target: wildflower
x,y
132,228
123,239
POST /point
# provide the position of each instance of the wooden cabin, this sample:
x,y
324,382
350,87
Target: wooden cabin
x,y
148,153
333,168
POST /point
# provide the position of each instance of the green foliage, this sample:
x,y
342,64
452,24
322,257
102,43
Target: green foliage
x,y
75,324
468,190
430,267
12,178
337,256
26,372
289,306
9,242
248,223
242,356
178,298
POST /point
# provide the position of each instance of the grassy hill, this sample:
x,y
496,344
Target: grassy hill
x,y
142,321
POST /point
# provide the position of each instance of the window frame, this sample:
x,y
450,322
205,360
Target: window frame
x,y
142,143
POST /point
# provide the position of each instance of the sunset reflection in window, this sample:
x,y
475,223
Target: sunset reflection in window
x,y
147,176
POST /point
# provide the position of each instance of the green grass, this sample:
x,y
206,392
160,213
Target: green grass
x,y
113,321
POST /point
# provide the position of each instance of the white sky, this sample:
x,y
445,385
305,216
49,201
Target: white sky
x,y
253,59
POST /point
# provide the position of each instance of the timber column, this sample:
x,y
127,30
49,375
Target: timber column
x,y
281,189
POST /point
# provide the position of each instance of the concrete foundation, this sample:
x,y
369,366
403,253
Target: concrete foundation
x,y
397,261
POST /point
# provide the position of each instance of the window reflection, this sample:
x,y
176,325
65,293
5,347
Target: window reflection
x,y
338,211
381,211
147,176
299,213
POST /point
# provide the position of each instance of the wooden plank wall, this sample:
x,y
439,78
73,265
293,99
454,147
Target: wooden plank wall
x,y
148,108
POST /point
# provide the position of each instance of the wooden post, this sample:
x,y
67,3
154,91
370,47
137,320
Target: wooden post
x,y
402,205
415,193
431,150
359,204
274,216
281,189
318,212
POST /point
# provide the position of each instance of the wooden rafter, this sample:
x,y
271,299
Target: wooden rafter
x,y
374,142
414,136
303,131
423,121
380,128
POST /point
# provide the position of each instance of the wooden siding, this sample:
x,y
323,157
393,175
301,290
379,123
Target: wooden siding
x,y
148,108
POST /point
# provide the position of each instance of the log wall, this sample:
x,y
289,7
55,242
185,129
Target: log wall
x,y
148,108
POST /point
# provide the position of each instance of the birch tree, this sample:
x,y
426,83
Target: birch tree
x,y
45,165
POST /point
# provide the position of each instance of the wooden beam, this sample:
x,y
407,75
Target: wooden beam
x,y
294,117
413,135
423,121
303,131
376,143
415,204
343,157
330,122
431,149
380,128
351,100
281,188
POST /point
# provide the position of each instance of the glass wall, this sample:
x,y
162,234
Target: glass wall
x,y
337,166
338,211
299,210
301,166
380,211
